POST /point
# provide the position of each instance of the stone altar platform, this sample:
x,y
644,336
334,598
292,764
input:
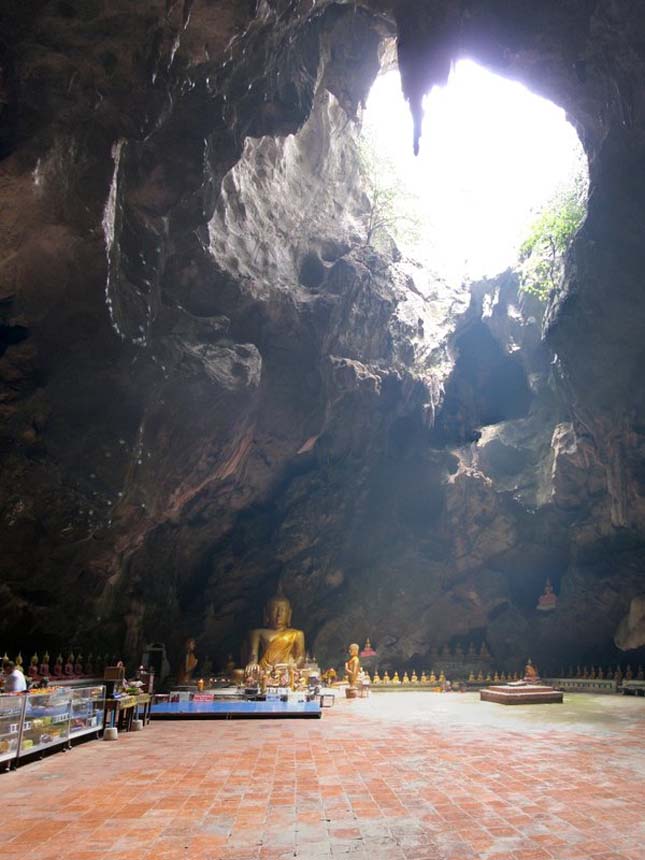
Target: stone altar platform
x,y
526,694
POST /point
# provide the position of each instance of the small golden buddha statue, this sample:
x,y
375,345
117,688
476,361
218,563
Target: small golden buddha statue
x,y
376,679
414,679
424,678
488,678
396,679
277,643
480,676
19,663
386,677
502,677
496,678
433,678
406,678
442,678
353,665
483,651
471,678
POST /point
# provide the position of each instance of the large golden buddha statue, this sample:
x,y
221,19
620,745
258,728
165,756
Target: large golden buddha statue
x,y
276,643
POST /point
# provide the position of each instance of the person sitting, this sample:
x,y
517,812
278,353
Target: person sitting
x,y
14,680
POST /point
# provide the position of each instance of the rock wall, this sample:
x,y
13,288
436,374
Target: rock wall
x,y
210,384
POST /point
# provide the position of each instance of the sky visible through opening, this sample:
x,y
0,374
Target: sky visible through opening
x,y
492,154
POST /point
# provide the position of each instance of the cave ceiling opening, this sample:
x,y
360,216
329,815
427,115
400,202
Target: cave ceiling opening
x,y
493,155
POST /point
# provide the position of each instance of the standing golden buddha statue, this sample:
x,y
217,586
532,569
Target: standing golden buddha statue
x,y
277,643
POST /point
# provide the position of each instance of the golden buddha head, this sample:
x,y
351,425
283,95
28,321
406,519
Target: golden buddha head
x,y
277,612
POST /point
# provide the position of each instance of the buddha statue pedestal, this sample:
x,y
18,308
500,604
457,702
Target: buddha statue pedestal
x,y
526,692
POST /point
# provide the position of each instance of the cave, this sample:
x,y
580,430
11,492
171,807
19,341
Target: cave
x,y
214,389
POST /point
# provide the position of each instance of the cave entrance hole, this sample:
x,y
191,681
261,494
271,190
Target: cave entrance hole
x,y
494,158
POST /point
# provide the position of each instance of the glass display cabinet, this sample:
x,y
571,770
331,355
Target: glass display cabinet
x,y
88,707
12,710
46,721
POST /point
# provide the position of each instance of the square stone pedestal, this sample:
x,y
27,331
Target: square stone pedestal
x,y
529,694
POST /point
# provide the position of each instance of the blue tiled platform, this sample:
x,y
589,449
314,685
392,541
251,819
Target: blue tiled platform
x,y
233,710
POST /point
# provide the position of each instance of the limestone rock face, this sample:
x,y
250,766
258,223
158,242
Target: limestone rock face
x,y
631,630
209,383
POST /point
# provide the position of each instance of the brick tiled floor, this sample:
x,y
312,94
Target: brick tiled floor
x,y
404,776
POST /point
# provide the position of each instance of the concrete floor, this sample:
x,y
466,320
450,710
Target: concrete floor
x,y
401,776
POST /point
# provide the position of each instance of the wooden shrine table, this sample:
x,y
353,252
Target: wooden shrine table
x,y
144,701
120,712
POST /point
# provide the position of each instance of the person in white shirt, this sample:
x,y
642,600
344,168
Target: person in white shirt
x,y
14,680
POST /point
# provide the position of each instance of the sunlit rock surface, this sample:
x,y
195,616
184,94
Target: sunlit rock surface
x,y
209,384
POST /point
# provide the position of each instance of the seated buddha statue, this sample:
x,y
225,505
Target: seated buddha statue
x,y
33,667
43,669
276,643
530,673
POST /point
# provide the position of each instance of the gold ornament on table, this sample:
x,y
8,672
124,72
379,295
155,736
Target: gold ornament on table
x,y
277,643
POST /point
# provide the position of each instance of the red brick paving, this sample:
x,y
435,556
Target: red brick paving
x,y
399,777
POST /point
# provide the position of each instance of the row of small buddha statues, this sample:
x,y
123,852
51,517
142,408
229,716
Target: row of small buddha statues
x,y
75,666
602,674
425,679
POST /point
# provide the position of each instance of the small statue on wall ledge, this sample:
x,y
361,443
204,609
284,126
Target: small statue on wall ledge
x,y
547,601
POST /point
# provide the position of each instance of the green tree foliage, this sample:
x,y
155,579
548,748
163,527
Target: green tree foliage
x,y
393,211
542,252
